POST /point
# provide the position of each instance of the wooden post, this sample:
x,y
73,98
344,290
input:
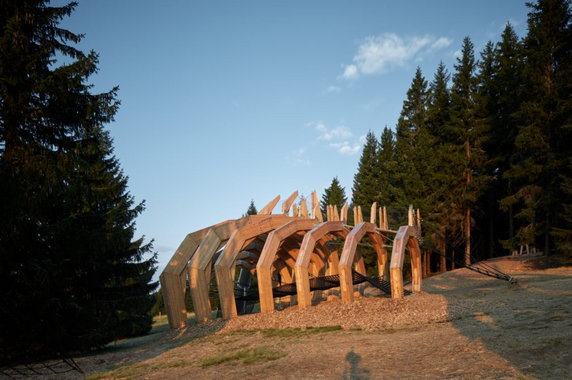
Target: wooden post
x,y
336,215
385,218
410,221
295,210
317,214
288,203
373,213
303,208
344,213
266,210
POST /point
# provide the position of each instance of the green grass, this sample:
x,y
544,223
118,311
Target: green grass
x,y
249,356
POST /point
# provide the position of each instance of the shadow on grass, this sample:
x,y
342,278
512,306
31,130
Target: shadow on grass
x,y
132,351
529,324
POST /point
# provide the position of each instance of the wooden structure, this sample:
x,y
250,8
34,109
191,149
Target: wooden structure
x,y
291,246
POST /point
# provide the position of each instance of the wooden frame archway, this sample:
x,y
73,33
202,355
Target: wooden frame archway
x,y
349,256
405,237
306,251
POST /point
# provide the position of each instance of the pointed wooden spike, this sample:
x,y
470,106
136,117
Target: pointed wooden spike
x,y
410,216
355,216
295,210
266,210
317,214
381,222
303,208
336,214
385,221
360,215
329,213
418,222
288,203
373,213
315,201
344,213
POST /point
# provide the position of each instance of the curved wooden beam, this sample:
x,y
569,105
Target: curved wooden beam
x,y
349,256
264,265
224,266
303,260
405,237
173,278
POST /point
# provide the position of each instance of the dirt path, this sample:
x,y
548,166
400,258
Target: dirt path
x,y
464,326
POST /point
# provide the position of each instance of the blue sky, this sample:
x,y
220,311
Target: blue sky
x,y
228,101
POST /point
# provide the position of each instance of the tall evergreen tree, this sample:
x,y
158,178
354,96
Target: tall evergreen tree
x,y
501,79
542,143
335,195
72,277
387,168
364,191
438,117
411,123
251,209
466,133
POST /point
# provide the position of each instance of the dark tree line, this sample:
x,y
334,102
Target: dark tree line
x,y
484,152
72,276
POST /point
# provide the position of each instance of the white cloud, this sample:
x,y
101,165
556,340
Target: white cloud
x,y
298,156
350,72
335,89
381,54
441,43
337,133
457,53
345,147
341,138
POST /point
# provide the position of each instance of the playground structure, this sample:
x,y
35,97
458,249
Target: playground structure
x,y
295,248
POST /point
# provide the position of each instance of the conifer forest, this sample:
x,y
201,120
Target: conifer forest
x,y
483,149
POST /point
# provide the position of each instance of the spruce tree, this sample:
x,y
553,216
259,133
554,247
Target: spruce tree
x,y
542,144
251,209
72,276
501,87
438,117
466,133
365,191
335,195
387,169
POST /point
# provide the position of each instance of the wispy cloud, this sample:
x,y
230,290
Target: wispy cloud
x,y
299,157
337,133
334,89
381,54
341,138
345,147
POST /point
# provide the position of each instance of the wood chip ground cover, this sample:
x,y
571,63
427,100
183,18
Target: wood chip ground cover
x,y
463,326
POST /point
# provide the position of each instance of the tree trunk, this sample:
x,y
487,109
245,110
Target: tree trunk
x,y
468,209
468,237
442,251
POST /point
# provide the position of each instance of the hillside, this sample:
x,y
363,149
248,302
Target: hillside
x,y
463,325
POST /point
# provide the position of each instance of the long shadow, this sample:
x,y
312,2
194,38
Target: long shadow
x,y
134,350
528,323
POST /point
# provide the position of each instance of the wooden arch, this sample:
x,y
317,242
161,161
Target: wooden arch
x,y
173,279
224,266
349,256
405,237
303,260
264,265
